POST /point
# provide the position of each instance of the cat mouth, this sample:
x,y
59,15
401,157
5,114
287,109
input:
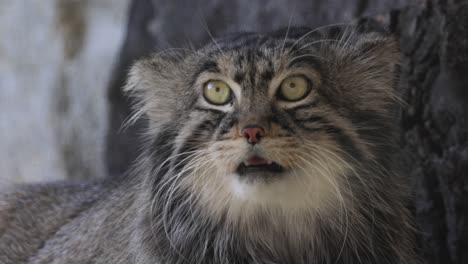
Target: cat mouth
x,y
256,165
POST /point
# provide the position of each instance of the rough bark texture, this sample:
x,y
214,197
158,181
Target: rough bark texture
x,y
434,42
434,79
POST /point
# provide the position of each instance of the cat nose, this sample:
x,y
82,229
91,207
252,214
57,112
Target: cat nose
x,y
253,134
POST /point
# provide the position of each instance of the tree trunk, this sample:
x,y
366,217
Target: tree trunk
x,y
434,43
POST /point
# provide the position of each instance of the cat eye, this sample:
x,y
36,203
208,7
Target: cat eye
x,y
217,92
294,88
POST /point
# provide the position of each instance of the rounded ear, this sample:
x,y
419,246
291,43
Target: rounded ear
x,y
154,84
369,62
381,53
382,48
369,44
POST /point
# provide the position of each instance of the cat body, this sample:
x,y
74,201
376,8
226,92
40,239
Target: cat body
x,y
259,148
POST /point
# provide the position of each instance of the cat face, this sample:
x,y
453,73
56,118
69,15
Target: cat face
x,y
277,122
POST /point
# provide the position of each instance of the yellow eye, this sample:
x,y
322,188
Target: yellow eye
x,y
294,88
217,92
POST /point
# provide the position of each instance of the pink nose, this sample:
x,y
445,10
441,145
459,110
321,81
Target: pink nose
x,y
253,134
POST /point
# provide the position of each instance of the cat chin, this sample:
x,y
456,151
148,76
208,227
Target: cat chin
x,y
292,193
291,190
311,183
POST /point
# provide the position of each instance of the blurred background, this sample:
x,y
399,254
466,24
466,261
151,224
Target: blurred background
x,y
56,59
63,64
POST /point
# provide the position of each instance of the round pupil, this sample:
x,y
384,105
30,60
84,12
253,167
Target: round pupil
x,y
292,85
217,89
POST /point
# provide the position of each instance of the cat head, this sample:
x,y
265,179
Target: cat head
x,y
291,121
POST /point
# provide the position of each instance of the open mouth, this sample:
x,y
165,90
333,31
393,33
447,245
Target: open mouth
x,y
258,165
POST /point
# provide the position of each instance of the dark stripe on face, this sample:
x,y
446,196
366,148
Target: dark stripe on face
x,y
205,127
301,114
338,134
200,134
163,144
162,149
251,59
267,75
209,126
312,119
283,120
226,125
292,110
209,110
240,60
239,77
208,66
325,125
305,60
348,145
312,124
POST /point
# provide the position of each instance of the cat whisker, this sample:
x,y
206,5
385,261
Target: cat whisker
x,y
211,36
315,30
287,31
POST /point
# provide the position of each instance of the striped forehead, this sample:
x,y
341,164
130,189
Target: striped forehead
x,y
256,62
252,68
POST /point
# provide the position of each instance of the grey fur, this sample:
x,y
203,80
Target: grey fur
x,y
160,213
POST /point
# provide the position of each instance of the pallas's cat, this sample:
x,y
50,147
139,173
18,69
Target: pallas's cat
x,y
259,148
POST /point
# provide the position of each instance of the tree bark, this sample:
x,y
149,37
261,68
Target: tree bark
x,y
434,124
